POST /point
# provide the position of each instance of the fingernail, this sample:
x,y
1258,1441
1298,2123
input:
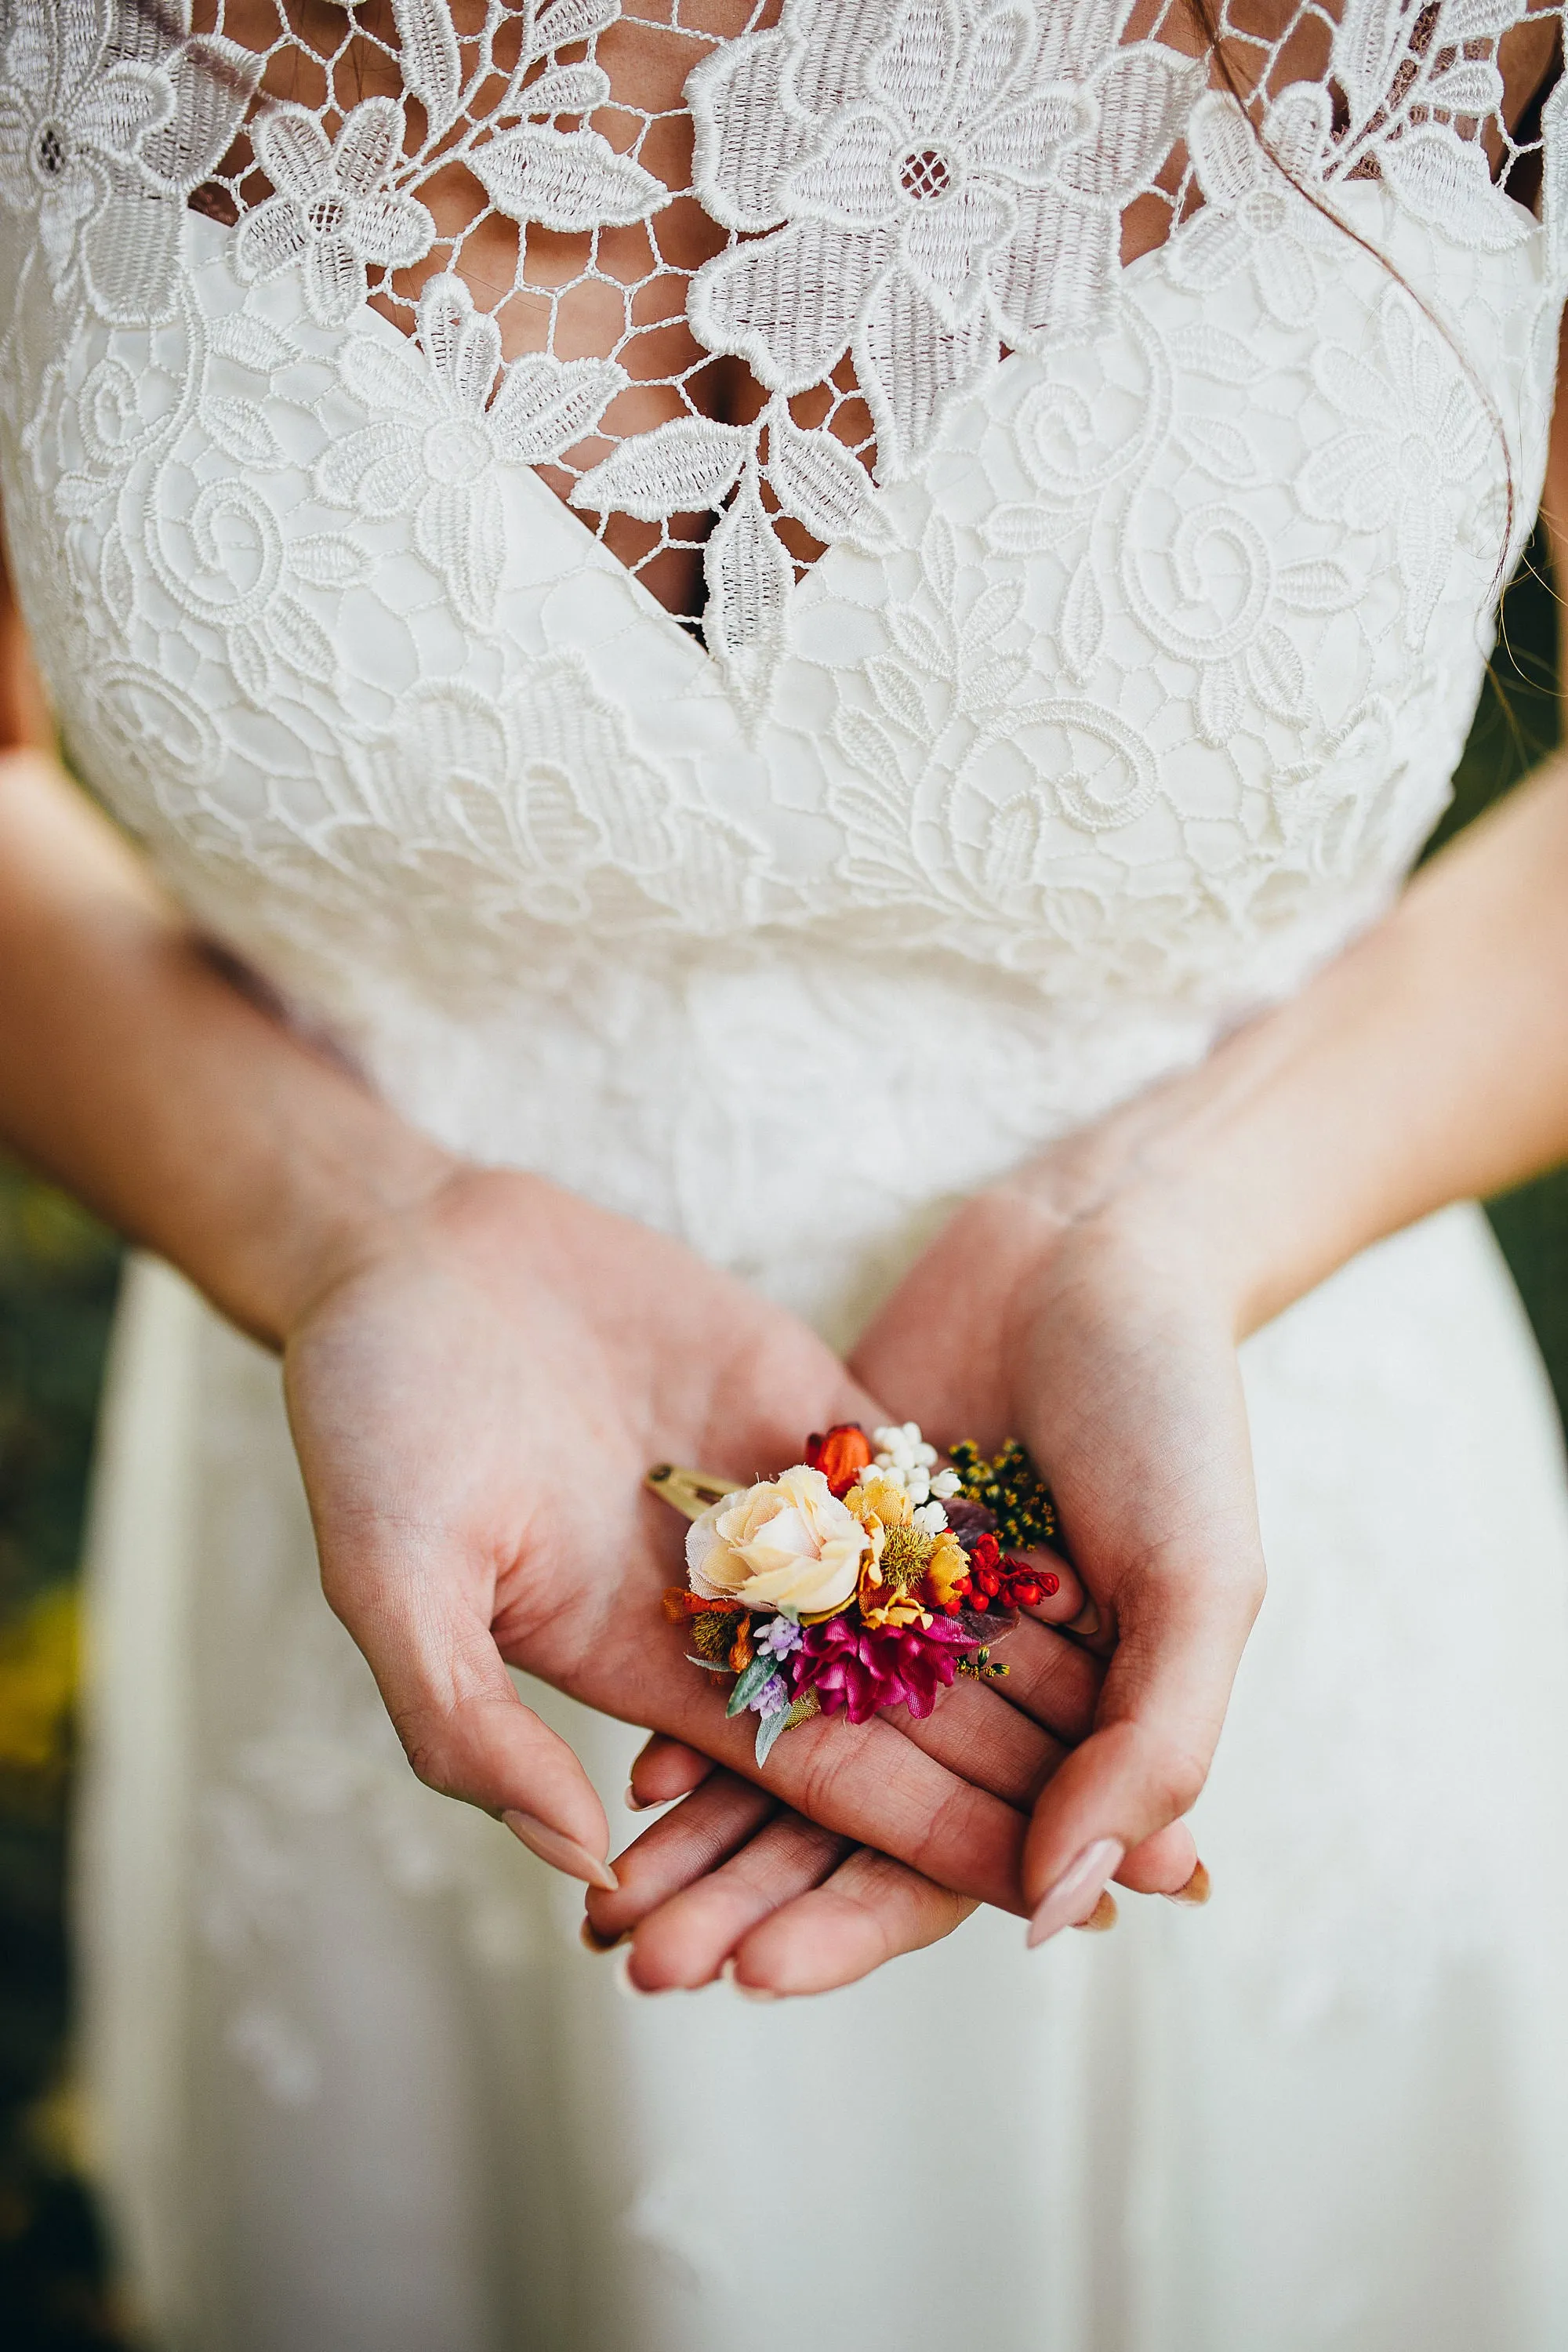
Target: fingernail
x,y
747,1992
591,1937
1075,1892
560,1852
1196,1891
1087,1623
633,1802
623,1975
1103,1915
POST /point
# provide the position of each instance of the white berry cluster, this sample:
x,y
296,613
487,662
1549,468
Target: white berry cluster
x,y
904,1459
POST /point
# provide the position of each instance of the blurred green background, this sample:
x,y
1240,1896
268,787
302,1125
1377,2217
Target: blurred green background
x,y
57,1277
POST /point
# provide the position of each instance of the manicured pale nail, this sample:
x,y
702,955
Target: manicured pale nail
x,y
1103,1915
1075,1892
633,1802
560,1852
1197,1889
590,1937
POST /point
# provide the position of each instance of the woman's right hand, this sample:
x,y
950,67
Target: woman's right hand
x,y
476,1391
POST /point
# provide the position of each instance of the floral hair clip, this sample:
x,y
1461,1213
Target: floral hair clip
x,y
862,1578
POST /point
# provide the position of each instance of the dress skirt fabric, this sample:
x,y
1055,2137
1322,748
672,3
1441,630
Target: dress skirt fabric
x,y
359,2089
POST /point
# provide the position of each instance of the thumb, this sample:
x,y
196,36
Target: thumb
x,y
455,1709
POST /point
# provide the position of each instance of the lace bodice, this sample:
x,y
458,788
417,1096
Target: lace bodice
x,y
597,544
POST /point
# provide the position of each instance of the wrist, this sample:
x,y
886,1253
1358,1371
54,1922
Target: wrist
x,y
371,1204
1144,1188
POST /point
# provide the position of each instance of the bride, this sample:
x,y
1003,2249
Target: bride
x,y
768,675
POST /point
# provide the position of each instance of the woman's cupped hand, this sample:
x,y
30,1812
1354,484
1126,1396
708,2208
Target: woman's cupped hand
x,y
476,1391
1103,1340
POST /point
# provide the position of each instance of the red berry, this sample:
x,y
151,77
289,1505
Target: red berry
x,y
1027,1594
1050,1584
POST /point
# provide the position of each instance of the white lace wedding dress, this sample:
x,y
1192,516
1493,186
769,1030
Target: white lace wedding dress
x,y
1084,653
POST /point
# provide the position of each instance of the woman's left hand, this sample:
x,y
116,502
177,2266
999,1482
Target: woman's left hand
x,y
1104,1343
1103,1331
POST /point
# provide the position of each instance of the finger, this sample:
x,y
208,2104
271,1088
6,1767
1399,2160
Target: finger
x,y
686,1939
1055,1681
664,1770
870,1783
692,1839
1165,1863
1062,1597
1009,1735
991,1745
463,1727
1143,1767
870,1910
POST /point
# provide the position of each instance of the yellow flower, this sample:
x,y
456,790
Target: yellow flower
x,y
947,1568
891,1587
878,1498
890,1606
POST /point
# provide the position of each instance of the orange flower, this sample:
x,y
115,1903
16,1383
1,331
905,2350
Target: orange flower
x,y
679,1603
840,1454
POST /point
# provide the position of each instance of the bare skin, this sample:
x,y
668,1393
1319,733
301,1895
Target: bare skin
x,y
453,1337
569,290
1107,1288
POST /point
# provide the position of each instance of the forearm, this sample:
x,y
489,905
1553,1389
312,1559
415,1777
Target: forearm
x,y
1427,1064
136,1072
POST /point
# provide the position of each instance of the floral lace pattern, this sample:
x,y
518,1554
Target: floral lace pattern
x,y
1087,643
908,191
1152,605
935,182
1135,570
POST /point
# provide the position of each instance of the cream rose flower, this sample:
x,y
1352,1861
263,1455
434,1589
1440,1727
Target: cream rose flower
x,y
788,1543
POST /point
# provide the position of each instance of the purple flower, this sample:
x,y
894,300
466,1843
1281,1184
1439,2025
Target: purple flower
x,y
781,1636
773,1696
859,1669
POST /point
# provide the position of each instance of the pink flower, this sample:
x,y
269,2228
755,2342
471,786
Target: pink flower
x,y
858,1669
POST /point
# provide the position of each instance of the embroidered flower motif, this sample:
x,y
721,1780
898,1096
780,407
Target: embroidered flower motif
x,y
1252,217
542,793
81,118
788,1543
936,178
59,145
1415,434
437,435
332,213
1409,76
